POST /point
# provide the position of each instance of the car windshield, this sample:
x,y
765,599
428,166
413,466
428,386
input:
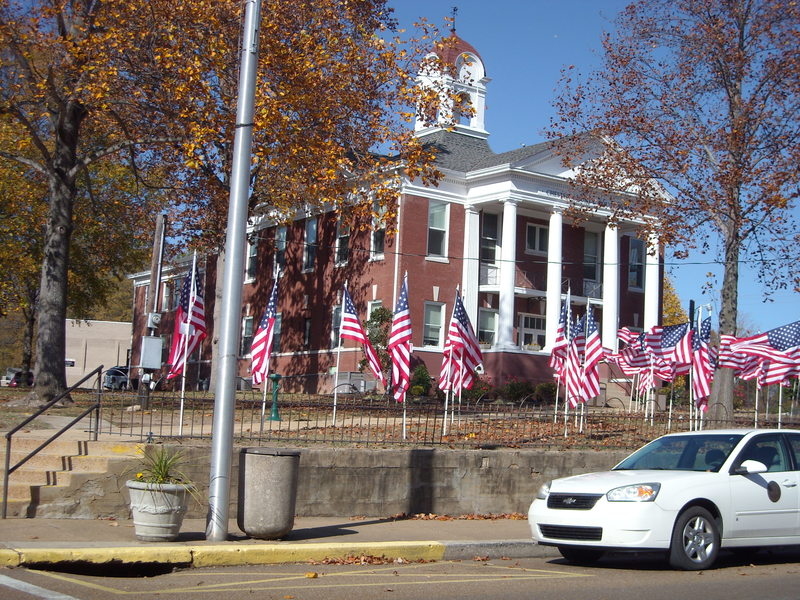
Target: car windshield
x,y
683,453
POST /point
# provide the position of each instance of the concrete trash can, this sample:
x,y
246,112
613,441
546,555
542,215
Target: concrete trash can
x,y
267,491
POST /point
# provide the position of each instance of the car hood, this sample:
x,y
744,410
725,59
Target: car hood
x,y
603,481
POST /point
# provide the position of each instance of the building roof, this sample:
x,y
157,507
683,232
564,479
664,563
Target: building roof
x,y
460,152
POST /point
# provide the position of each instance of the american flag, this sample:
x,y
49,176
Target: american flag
x,y
593,354
559,351
779,348
352,330
190,324
671,343
462,352
572,365
261,348
703,372
400,344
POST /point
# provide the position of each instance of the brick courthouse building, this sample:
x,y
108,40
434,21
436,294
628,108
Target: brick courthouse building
x,y
493,227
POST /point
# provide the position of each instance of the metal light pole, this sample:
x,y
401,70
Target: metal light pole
x,y
225,384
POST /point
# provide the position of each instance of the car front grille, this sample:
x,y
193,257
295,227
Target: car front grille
x,y
573,501
567,532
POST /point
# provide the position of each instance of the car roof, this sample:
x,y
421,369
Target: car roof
x,y
740,431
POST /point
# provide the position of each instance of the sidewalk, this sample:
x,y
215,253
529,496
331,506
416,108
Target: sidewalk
x,y
41,542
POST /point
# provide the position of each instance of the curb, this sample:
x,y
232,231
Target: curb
x,y
221,555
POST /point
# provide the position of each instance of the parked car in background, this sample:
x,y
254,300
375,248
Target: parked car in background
x,y
20,378
116,378
689,494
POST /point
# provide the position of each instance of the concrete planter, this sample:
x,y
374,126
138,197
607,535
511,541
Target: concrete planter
x,y
157,509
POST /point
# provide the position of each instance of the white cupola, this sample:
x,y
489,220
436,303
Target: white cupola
x,y
458,73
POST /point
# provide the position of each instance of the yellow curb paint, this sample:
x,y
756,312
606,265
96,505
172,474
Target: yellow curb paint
x,y
9,558
256,554
161,554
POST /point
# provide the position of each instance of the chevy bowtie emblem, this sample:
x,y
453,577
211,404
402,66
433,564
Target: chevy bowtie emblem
x,y
569,500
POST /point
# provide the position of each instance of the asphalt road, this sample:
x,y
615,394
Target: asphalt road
x,y
765,575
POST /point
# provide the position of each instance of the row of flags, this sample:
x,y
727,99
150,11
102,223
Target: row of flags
x,y
663,352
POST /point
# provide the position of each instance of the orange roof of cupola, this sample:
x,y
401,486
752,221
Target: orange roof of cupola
x,y
449,49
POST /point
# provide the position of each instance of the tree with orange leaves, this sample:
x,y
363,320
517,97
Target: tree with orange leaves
x,y
152,84
696,104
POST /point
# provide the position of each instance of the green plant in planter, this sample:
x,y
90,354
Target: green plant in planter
x,y
161,464
159,494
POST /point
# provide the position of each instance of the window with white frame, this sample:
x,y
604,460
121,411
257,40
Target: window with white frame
x,y
166,295
336,325
636,264
377,238
433,324
252,258
532,331
489,236
437,229
247,336
310,244
280,248
487,325
536,239
276,334
342,242
591,256
373,306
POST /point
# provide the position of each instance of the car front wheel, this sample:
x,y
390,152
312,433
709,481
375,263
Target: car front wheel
x,y
581,556
695,540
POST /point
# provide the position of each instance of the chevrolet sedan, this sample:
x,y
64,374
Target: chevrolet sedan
x,y
689,494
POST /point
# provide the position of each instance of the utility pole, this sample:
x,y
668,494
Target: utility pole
x,y
225,381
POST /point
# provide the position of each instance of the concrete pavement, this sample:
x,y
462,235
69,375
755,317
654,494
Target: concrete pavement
x,y
42,542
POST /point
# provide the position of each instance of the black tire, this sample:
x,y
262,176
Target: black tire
x,y
581,556
695,540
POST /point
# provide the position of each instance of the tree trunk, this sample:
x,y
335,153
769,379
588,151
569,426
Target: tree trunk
x,y
50,374
721,402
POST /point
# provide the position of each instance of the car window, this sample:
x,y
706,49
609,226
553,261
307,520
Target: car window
x,y
794,447
766,449
683,452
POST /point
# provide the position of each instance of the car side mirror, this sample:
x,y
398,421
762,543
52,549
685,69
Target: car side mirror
x,y
750,467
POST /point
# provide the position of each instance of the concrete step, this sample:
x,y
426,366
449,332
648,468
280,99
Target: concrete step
x,y
44,485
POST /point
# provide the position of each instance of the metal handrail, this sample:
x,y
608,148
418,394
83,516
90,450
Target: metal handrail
x,y
92,431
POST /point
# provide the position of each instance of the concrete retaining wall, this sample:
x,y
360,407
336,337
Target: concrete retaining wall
x,y
381,482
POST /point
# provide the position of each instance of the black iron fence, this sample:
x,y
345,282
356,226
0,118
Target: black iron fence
x,y
376,420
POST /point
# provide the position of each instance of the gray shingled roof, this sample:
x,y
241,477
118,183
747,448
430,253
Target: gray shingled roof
x,y
460,152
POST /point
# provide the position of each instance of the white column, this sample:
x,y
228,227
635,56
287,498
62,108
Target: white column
x,y
610,287
471,270
508,256
554,253
651,283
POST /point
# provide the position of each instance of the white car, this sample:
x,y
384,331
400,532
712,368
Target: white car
x,y
687,493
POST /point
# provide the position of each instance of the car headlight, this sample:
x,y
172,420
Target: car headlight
x,y
544,491
641,492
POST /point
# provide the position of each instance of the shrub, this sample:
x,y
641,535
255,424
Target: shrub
x,y
420,378
417,390
515,389
545,392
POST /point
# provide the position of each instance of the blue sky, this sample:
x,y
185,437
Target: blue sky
x,y
524,44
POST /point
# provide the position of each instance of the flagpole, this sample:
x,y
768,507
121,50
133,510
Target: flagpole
x,y
263,405
555,410
192,297
338,362
780,403
755,416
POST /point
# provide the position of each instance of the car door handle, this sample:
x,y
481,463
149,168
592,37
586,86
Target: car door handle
x,y
789,483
